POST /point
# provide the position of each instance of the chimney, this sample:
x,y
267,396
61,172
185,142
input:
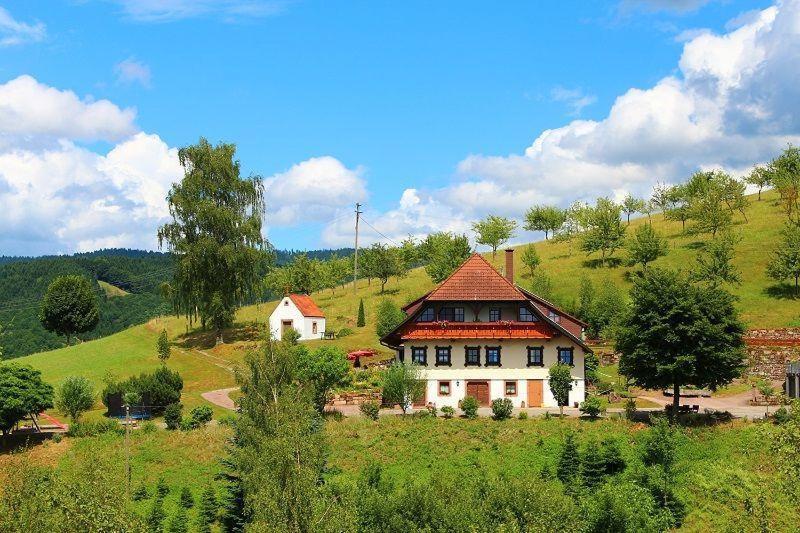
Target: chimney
x,y
510,265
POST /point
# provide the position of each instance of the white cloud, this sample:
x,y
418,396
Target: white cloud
x,y
731,103
170,10
314,190
130,71
575,99
33,112
13,32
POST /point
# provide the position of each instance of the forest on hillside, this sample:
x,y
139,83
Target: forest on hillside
x,y
140,274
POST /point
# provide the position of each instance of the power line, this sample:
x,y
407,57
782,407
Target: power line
x,y
379,232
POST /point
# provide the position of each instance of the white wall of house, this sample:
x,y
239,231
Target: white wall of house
x,y
514,359
286,311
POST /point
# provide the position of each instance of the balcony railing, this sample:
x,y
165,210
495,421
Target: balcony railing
x,y
506,329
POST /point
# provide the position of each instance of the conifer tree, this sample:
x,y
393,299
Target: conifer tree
x,y
162,346
592,465
613,462
207,510
569,461
187,500
362,319
179,523
155,519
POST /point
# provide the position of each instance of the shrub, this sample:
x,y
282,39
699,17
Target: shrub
x,y
291,336
140,493
502,408
781,416
163,387
186,425
448,412
569,461
207,510
187,500
162,489
335,415
469,405
57,437
370,410
227,420
75,396
90,429
156,516
432,410
630,408
344,332
179,523
173,415
592,407
402,385
523,415
200,416
149,426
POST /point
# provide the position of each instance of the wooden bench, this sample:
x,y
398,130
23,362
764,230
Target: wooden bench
x,y
329,335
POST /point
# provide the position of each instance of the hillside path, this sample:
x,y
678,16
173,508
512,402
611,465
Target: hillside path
x,y
220,397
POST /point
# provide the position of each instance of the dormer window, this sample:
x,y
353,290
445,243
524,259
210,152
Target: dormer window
x,y
427,315
451,314
526,315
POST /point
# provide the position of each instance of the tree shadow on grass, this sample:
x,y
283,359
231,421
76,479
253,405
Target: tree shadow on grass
x,y
782,291
206,339
695,245
610,262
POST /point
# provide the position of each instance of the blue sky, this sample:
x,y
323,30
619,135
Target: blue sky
x,y
421,110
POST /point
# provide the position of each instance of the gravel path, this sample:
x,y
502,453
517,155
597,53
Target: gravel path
x,y
220,397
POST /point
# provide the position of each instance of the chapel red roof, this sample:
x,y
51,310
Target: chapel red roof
x,y
476,280
306,305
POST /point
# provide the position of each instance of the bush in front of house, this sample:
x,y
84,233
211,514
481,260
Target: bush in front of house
x,y
502,408
448,412
344,332
173,415
523,415
592,407
469,405
370,410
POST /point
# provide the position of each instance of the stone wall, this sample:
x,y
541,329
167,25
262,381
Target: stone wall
x,y
769,350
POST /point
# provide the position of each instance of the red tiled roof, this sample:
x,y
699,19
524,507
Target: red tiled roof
x,y
477,330
476,280
306,305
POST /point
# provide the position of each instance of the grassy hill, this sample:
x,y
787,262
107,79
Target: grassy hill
x,y
205,366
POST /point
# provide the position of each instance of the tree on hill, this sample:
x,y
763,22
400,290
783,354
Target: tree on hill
x,y
605,233
387,317
443,252
305,274
215,235
69,307
678,334
22,393
679,209
279,281
494,231
75,396
568,467
715,264
784,172
530,258
646,246
759,177
631,205
661,198
546,218
162,346
387,262
785,261
713,196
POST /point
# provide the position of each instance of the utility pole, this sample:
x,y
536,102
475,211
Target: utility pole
x,y
355,256
127,451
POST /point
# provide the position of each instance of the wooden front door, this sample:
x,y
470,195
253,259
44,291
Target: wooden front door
x,y
535,388
480,391
286,325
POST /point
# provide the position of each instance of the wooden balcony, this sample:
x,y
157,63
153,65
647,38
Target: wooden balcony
x,y
477,330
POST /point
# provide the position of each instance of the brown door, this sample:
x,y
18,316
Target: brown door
x,y
535,392
286,325
479,390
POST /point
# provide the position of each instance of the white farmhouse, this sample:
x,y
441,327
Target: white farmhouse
x,y
297,311
478,334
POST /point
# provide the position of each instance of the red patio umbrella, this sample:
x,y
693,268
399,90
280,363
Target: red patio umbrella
x,y
358,354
